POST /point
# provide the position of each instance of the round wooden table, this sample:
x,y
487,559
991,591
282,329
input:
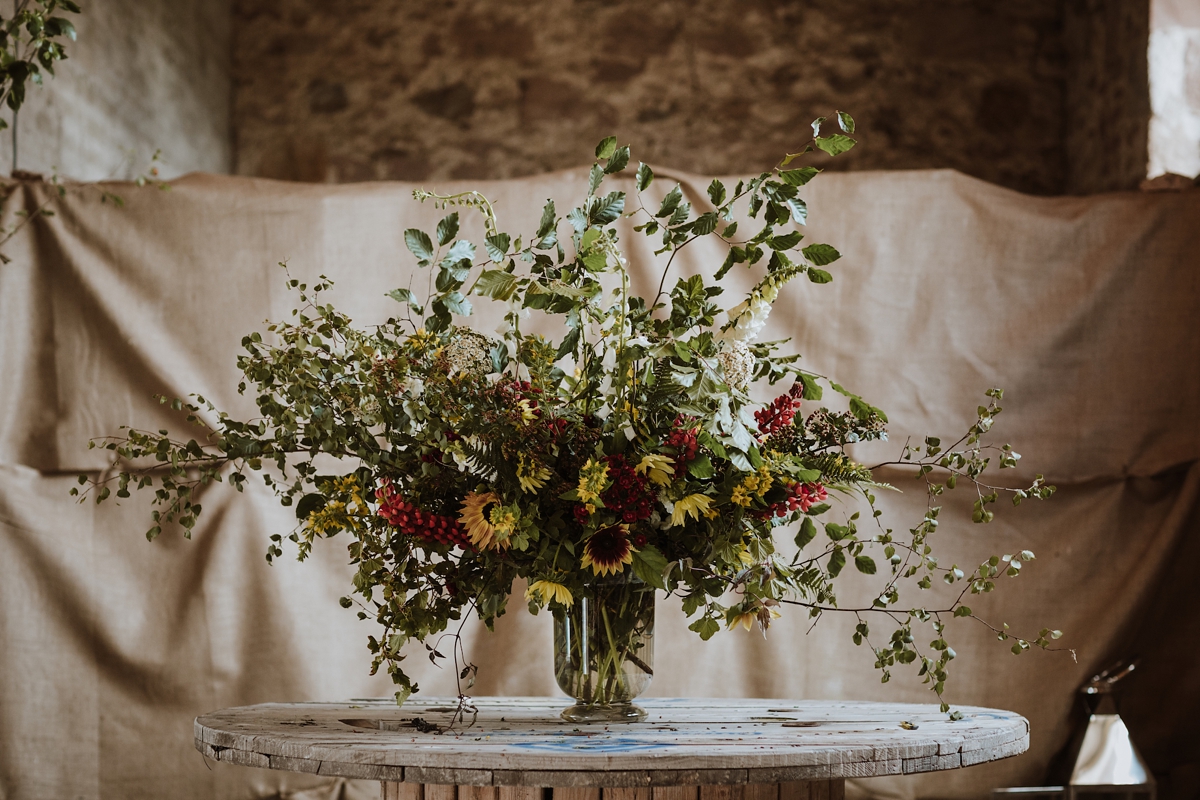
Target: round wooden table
x,y
518,748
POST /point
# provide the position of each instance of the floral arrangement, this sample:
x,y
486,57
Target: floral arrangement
x,y
627,447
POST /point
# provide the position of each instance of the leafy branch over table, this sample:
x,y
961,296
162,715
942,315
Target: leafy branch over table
x,y
627,446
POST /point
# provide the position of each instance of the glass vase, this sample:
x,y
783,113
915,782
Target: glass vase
x,y
604,650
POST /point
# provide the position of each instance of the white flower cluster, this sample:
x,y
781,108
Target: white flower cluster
x,y
469,353
738,361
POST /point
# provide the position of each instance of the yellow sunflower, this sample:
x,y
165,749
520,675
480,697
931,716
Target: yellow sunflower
x,y
607,551
474,518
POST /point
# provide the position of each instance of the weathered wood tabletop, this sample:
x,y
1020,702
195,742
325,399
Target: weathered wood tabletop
x,y
753,749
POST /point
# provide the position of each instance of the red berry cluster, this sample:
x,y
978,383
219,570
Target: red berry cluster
x,y
629,496
780,413
801,497
410,520
685,444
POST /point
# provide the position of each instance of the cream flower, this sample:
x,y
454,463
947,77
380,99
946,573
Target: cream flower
x,y
531,474
658,468
549,590
691,506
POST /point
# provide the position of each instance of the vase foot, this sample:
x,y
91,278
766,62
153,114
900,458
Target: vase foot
x,y
617,712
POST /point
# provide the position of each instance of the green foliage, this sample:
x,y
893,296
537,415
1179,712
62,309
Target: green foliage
x,y
31,41
630,445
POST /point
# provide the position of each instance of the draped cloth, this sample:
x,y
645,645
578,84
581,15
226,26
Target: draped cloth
x,y
1084,310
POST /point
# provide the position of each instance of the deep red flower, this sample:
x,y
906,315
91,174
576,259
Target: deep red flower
x,y
781,411
410,520
629,496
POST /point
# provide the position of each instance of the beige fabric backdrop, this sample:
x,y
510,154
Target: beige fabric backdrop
x,y
1084,310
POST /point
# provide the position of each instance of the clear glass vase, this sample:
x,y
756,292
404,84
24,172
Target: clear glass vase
x,y
604,650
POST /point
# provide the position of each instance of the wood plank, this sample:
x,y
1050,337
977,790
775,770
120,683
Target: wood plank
x,y
837,789
675,793
477,793
721,792
393,790
521,793
439,791
576,793
795,790
634,793
761,791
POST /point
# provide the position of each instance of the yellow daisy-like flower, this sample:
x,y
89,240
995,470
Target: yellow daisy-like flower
x,y
476,521
593,479
528,414
549,590
740,496
504,521
691,506
531,475
764,480
607,551
658,468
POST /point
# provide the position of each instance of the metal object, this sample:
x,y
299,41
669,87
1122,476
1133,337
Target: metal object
x,y
1108,762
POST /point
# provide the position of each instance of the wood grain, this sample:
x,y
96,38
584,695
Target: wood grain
x,y
682,744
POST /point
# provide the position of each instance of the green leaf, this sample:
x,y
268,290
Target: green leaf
x,y
308,504
607,147
419,245
834,144
701,468
618,162
799,210
405,296
821,254
447,229
716,192
549,218
819,275
837,532
785,242
455,303
845,122
608,208
864,564
798,177
705,224
496,283
816,125
707,627
649,564
670,202
645,176
594,178
812,389
837,560
807,532
497,246
569,343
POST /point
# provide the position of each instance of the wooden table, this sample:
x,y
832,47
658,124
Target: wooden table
x,y
686,749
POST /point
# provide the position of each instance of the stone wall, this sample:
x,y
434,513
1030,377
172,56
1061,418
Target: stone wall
x,y
143,75
423,90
